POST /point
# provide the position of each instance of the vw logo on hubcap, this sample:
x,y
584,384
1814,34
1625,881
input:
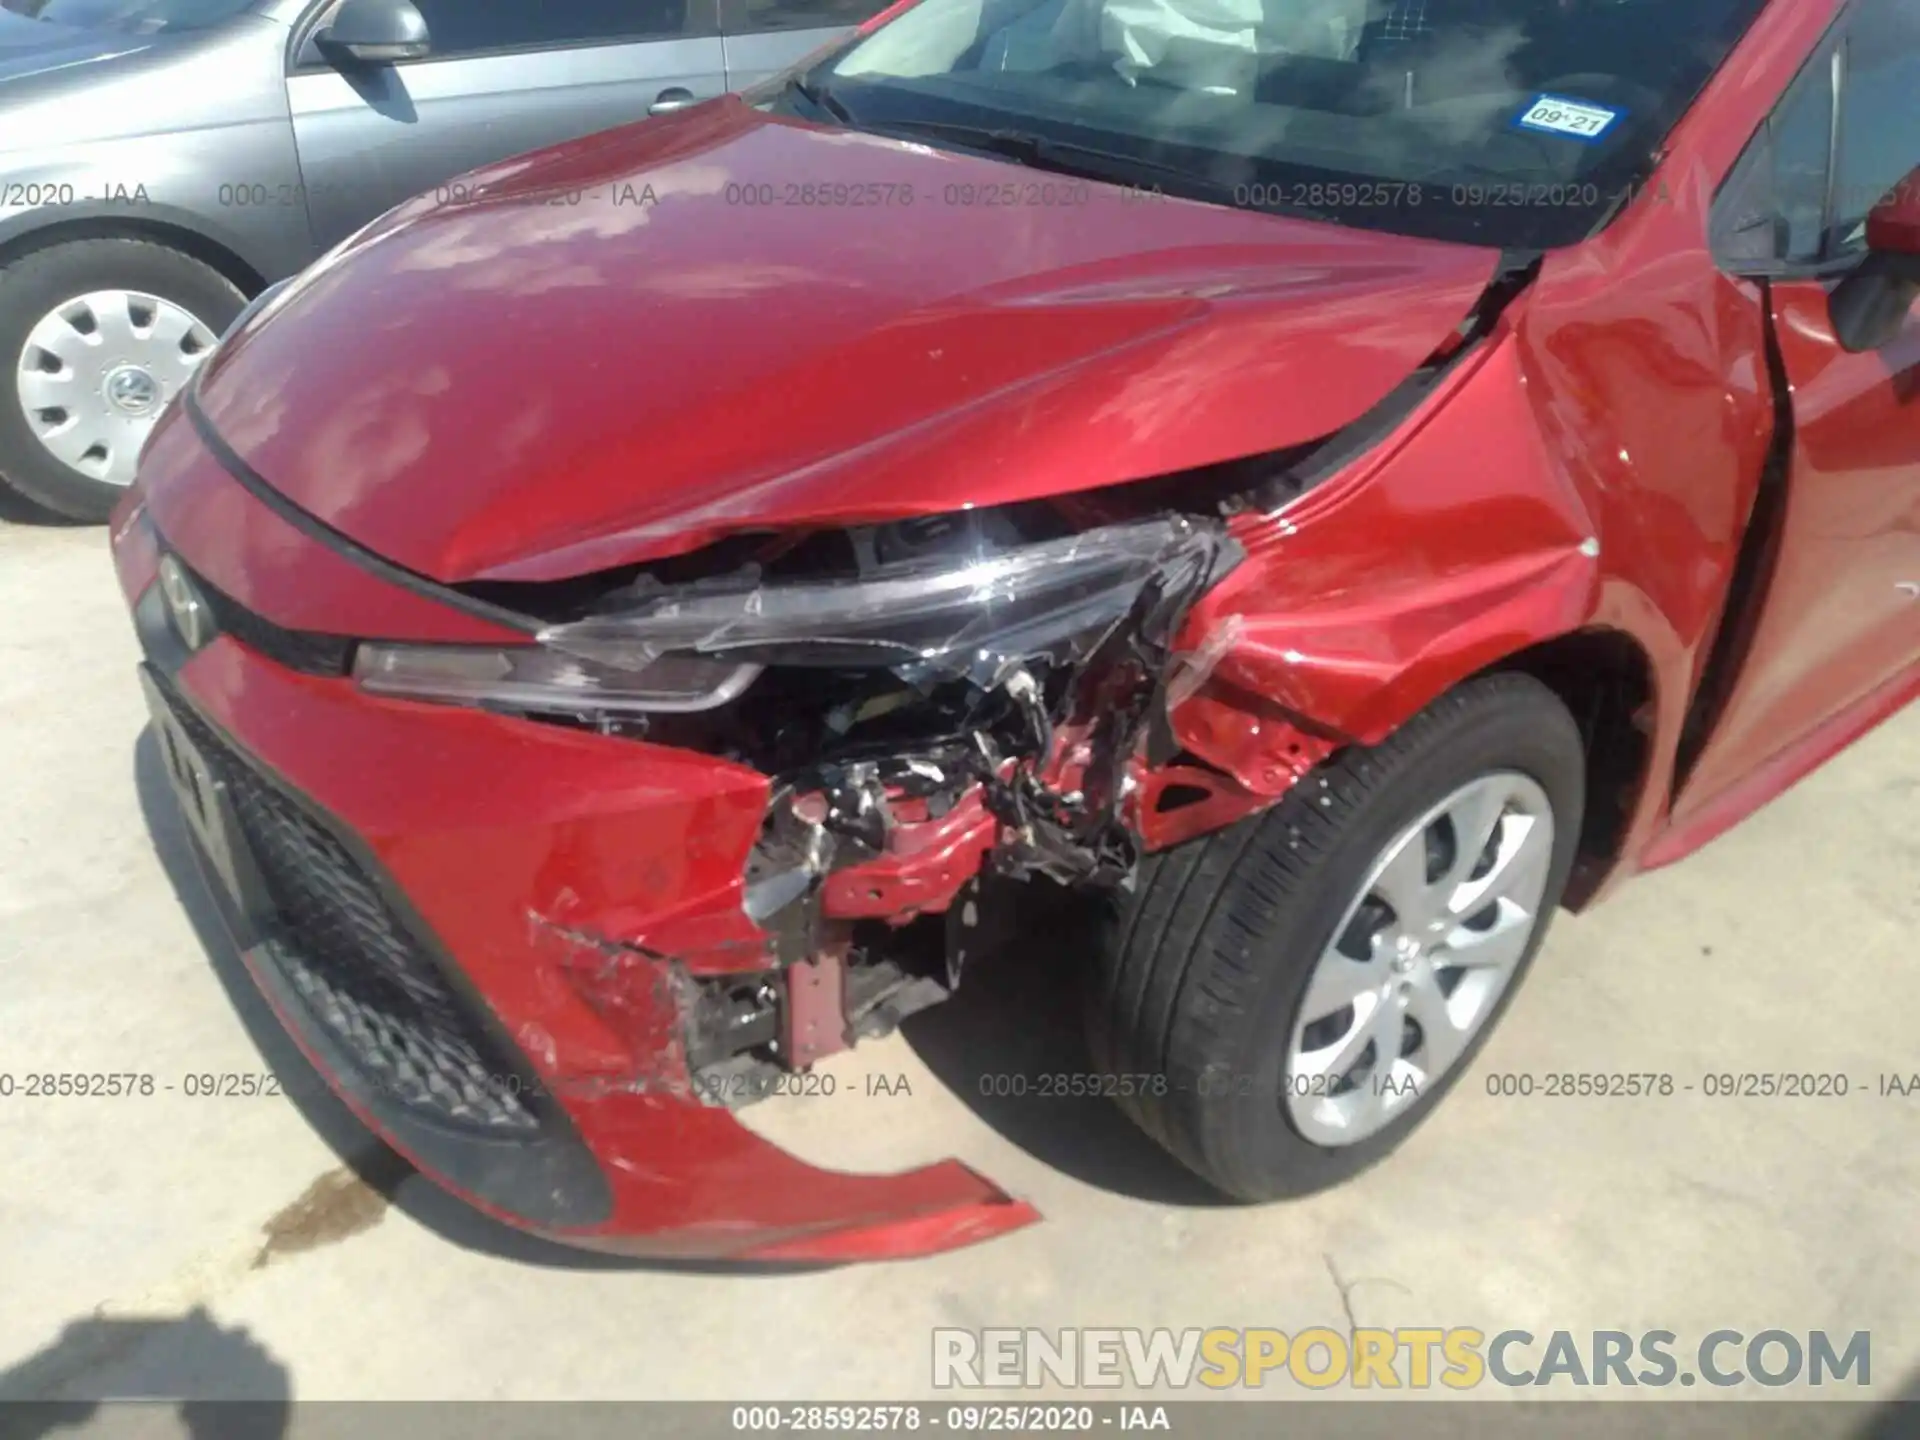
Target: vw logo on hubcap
x,y
132,391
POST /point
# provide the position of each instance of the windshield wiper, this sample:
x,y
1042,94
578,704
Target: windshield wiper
x,y
1063,157
821,98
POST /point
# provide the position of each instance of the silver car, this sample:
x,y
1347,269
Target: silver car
x,y
161,161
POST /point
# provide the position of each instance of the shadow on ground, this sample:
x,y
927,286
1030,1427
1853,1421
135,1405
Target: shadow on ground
x,y
1895,1418
224,1382
16,509
380,1170
1013,1033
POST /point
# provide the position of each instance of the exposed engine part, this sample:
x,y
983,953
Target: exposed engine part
x,y
731,1016
1038,743
856,808
941,701
782,894
744,1033
815,1016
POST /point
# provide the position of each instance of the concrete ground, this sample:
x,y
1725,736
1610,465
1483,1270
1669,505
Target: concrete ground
x,y
266,1246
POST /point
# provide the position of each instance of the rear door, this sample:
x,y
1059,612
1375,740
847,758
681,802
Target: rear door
x,y
1829,620
504,76
764,37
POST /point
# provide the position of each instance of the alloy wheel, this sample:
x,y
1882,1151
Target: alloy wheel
x,y
1420,959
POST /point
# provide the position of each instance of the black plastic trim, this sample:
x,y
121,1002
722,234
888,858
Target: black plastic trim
x,y
1753,566
310,652
1512,275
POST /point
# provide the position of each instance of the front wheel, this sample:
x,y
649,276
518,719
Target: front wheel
x,y
1312,981
96,336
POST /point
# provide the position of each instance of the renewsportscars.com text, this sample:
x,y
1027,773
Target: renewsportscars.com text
x,y
1460,1358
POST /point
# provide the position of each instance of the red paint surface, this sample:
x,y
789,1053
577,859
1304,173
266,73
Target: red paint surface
x,y
272,567
1835,622
925,865
467,410
1781,769
449,393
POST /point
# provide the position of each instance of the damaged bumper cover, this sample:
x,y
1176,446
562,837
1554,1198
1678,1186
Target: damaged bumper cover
x,y
524,965
502,898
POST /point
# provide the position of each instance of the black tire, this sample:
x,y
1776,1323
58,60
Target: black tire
x,y
29,288
1201,970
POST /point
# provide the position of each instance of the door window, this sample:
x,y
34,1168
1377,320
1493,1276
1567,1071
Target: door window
x,y
1773,212
473,27
1879,114
1798,199
747,17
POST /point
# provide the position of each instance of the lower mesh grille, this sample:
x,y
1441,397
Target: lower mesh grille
x,y
360,971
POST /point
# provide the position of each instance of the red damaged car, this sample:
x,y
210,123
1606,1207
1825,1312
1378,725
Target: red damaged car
x,y
1329,481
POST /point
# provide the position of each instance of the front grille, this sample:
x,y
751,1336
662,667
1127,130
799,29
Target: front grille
x,y
357,966
308,651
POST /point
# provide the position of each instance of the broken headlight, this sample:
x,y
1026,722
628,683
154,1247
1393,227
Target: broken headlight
x,y
967,606
964,613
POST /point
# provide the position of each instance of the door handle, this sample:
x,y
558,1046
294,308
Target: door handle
x,y
674,97
1908,587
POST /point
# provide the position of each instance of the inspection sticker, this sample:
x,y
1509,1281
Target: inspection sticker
x,y
1557,115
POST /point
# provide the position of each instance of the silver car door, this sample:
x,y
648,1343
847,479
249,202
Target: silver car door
x,y
502,76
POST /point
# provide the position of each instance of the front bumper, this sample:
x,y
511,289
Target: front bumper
x,y
479,928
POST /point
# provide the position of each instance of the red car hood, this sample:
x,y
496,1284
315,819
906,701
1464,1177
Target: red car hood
x,y
629,345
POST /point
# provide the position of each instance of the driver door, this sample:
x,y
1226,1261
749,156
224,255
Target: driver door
x,y
1827,637
503,76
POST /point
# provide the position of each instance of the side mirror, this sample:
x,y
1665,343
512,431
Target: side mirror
x,y
376,32
1871,305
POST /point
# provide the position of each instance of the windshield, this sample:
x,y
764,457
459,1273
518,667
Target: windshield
x,y
1519,123
136,17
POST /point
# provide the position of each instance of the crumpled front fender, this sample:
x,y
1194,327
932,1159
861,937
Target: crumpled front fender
x,y
1354,608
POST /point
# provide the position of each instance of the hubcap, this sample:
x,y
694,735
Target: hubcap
x,y
1420,958
96,372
